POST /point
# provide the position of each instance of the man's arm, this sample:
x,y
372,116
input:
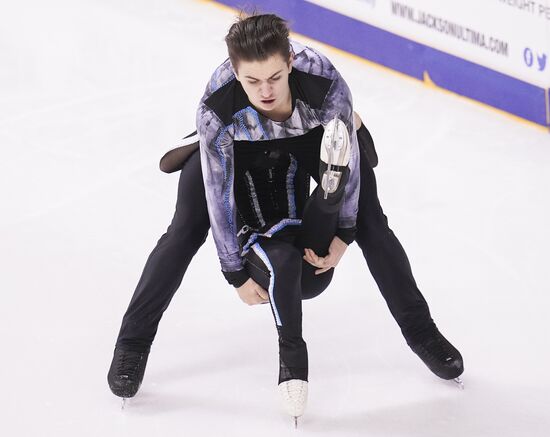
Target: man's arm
x,y
338,102
216,148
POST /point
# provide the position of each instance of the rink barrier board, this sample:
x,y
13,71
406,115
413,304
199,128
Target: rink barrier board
x,y
420,61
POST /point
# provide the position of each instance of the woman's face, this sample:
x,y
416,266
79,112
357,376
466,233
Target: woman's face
x,y
266,84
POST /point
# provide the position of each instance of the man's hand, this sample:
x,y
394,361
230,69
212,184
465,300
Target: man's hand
x,y
252,294
335,252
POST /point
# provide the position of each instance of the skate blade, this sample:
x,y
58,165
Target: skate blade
x,y
335,144
330,181
335,149
123,403
295,422
459,383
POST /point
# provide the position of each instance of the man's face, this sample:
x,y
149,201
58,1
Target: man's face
x,y
266,83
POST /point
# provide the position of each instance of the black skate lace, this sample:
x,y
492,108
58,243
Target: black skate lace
x,y
128,363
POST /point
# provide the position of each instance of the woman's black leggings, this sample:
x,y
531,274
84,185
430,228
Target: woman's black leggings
x,y
276,264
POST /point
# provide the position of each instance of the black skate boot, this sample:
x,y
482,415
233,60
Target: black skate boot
x,y
126,372
441,357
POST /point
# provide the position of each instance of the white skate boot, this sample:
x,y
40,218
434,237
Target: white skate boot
x,y
293,395
335,153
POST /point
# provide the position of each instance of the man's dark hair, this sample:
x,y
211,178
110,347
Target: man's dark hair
x,y
256,38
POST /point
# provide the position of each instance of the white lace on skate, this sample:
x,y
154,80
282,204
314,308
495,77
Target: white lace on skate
x,y
293,395
335,151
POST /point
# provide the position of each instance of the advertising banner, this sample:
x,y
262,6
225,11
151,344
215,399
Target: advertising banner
x,y
510,36
494,51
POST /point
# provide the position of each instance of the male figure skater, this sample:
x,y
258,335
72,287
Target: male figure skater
x,y
261,114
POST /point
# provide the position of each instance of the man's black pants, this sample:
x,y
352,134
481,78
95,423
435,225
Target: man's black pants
x,y
168,262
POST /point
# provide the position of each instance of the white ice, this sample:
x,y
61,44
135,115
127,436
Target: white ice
x,y
93,92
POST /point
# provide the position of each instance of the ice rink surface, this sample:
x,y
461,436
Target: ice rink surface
x,y
92,93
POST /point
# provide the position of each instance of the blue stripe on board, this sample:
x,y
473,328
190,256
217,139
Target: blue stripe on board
x,y
446,71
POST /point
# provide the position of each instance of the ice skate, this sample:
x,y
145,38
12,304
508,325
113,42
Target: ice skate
x,y
441,357
335,155
126,373
459,383
293,395
174,159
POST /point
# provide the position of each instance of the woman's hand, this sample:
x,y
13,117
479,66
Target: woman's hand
x,y
335,252
252,294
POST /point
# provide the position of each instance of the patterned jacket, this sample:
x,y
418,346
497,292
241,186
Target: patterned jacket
x,y
225,115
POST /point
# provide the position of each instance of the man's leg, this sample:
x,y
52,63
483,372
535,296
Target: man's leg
x,y
392,272
388,261
161,277
168,262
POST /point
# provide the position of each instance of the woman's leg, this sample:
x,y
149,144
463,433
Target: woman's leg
x,y
168,262
319,226
320,214
277,267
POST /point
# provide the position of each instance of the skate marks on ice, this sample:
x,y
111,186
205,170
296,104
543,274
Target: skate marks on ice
x,y
226,392
484,409
186,404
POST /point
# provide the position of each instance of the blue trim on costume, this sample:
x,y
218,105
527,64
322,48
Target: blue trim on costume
x,y
242,125
227,179
269,233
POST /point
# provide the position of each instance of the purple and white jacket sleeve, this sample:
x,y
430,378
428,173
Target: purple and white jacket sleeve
x,y
216,149
339,102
